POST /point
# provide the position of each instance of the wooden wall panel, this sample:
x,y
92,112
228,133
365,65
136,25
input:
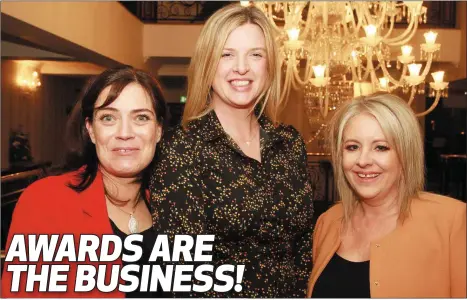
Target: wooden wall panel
x,y
41,114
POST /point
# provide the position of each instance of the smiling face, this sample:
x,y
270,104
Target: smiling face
x,y
369,161
125,132
242,70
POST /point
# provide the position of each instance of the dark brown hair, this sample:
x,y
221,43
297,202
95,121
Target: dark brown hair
x,y
82,154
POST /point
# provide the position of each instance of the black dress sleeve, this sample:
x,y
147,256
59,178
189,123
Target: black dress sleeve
x,y
176,196
177,201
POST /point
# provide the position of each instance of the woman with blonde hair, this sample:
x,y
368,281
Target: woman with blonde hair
x,y
231,169
386,238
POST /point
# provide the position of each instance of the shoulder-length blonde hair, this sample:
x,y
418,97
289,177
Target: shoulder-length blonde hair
x,y
208,52
400,127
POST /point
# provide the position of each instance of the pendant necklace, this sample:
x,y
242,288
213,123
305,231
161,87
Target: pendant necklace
x,y
132,222
248,143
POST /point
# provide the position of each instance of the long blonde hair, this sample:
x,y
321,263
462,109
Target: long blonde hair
x,y
401,128
207,54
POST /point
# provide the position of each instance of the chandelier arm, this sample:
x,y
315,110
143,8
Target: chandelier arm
x,y
309,19
308,70
357,25
359,72
390,78
320,98
413,90
369,17
391,89
366,14
286,84
326,103
271,17
297,85
367,73
409,31
296,74
432,107
369,65
347,31
288,93
407,39
327,58
383,16
378,66
295,10
390,29
371,71
354,72
324,107
428,65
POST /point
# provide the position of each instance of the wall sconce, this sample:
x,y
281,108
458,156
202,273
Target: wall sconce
x,y
28,81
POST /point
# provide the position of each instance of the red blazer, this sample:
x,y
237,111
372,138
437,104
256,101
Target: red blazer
x,y
48,206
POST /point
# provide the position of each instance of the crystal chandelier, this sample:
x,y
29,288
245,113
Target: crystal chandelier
x,y
335,50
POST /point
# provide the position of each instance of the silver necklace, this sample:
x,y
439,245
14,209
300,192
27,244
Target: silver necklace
x,y
132,222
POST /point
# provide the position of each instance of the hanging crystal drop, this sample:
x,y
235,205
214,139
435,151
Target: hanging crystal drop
x,y
133,224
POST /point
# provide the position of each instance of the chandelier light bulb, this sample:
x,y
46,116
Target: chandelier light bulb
x,y
372,39
438,76
370,31
359,43
293,34
384,83
414,69
245,3
354,55
319,70
406,50
438,84
28,79
430,37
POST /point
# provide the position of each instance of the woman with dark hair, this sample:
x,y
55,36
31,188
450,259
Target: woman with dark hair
x,y
112,131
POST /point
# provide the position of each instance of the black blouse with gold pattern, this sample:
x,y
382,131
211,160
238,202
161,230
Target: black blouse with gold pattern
x,y
259,212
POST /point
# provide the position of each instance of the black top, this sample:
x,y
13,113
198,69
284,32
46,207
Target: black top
x,y
149,237
343,279
260,213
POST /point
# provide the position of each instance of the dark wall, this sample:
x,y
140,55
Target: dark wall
x,y
41,114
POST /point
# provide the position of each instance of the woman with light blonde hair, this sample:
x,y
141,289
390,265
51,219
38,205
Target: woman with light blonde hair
x,y
386,238
231,169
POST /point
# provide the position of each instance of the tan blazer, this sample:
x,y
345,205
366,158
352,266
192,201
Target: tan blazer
x,y
423,257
